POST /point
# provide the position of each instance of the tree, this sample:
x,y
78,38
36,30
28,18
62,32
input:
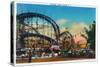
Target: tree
x,y
91,35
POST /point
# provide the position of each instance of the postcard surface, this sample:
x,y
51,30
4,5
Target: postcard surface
x,y
50,33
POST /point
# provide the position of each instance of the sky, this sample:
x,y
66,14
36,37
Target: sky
x,y
64,16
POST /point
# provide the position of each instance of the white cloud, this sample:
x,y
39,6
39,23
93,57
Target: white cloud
x,y
62,21
78,28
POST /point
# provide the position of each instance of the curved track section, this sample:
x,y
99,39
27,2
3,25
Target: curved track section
x,y
52,41
22,16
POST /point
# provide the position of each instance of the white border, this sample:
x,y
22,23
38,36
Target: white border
x,y
42,3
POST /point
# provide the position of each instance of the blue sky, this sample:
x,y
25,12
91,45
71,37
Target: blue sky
x,y
68,13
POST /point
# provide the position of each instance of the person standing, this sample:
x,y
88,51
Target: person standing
x,y
30,56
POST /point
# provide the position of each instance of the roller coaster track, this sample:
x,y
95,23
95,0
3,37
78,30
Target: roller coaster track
x,y
54,42
22,16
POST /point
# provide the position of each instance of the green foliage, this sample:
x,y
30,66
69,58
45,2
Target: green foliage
x,y
91,35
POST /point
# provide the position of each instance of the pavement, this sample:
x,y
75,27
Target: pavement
x,y
52,59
